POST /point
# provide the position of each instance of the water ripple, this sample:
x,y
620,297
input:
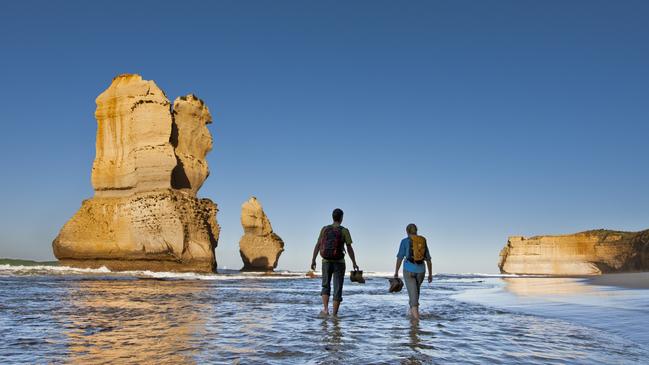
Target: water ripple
x,y
101,318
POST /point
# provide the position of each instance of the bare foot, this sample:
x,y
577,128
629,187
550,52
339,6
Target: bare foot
x,y
414,313
324,314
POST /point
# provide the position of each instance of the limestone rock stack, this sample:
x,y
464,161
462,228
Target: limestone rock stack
x,y
192,141
259,246
585,253
149,165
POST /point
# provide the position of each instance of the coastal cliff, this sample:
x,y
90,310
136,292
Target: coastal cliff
x,y
149,164
585,253
259,246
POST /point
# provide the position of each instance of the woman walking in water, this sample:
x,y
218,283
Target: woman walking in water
x,y
415,250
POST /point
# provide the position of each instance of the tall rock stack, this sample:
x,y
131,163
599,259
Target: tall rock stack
x,y
149,165
259,246
585,253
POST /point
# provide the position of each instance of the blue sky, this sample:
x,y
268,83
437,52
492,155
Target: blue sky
x,y
475,120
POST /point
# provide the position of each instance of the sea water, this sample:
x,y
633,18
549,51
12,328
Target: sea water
x,y
63,315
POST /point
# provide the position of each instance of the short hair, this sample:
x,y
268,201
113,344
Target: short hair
x,y
337,215
411,229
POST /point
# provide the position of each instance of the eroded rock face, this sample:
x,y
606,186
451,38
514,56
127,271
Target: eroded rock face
x,y
141,218
259,246
192,141
585,253
133,152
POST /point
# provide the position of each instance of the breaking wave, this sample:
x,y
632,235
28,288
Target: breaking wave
x,y
22,270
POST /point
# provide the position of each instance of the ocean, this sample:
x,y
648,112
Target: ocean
x,y
59,315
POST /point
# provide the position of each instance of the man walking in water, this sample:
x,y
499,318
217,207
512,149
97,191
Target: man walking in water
x,y
331,245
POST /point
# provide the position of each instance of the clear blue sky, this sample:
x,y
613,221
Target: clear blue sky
x,y
474,119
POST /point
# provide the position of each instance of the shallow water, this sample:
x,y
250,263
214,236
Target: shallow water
x,y
54,315
616,309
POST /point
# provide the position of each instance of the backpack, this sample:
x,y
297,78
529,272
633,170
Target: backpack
x,y
417,252
332,242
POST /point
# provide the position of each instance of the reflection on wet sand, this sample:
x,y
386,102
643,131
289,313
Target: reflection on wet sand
x,y
133,322
117,318
332,335
415,340
547,286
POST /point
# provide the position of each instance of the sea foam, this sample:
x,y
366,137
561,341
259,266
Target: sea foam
x,y
222,275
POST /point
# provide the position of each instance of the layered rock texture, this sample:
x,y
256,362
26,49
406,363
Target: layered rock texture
x,y
149,165
585,253
259,246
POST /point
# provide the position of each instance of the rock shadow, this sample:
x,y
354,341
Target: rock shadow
x,y
260,264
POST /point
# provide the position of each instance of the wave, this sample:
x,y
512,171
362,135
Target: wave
x,y
26,270
51,269
22,270
449,276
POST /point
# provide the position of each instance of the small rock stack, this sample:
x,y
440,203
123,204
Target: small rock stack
x,y
259,246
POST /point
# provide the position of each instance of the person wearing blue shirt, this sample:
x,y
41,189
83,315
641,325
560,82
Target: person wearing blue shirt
x,y
413,273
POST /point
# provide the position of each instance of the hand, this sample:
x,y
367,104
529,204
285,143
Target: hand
x,y
312,265
430,278
356,267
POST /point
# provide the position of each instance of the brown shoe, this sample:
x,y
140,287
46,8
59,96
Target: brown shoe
x,y
357,276
396,285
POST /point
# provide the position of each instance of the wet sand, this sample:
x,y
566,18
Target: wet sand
x,y
636,280
615,303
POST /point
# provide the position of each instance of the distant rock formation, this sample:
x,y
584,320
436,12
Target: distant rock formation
x,y
260,247
149,164
585,253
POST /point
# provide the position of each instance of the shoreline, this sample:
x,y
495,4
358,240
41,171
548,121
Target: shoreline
x,y
615,303
631,280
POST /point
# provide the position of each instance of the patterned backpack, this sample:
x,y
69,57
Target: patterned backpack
x,y
332,243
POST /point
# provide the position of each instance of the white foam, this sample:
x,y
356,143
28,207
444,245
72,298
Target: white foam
x,y
479,275
26,269
232,275
66,270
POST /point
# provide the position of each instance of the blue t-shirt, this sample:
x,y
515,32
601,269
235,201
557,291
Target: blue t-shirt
x,y
404,250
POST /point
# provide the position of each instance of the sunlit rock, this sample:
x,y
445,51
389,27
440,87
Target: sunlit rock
x,y
133,152
149,164
192,141
585,253
259,246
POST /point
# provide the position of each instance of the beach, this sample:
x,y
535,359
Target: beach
x,y
615,303
63,315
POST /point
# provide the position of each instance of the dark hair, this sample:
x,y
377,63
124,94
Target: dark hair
x,y
411,229
337,215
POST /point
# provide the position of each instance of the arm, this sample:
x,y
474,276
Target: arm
x,y
352,256
316,249
429,263
396,269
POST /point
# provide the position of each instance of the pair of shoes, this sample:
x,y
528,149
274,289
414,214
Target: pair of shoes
x,y
357,276
396,285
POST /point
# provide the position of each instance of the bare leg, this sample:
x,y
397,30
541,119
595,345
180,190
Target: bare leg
x,y
325,305
414,312
336,306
